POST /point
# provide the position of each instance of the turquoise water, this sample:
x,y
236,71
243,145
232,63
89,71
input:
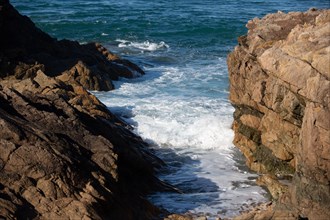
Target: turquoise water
x,y
180,106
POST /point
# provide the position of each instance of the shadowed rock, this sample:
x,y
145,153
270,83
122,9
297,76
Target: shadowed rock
x,y
63,154
25,49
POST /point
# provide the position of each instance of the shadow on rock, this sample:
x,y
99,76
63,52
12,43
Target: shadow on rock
x,y
25,49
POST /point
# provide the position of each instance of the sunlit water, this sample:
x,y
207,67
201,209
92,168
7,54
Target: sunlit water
x,y
181,105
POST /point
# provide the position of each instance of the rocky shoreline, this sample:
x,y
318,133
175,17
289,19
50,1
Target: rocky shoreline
x,y
279,86
63,154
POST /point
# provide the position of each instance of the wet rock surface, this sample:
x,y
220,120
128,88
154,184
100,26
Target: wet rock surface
x,y
279,86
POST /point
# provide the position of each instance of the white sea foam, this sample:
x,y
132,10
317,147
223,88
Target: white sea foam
x,y
181,106
182,124
185,114
167,117
144,46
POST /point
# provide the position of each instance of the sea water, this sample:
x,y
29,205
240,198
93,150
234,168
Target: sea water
x,y
180,106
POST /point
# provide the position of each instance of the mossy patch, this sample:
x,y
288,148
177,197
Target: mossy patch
x,y
250,133
272,164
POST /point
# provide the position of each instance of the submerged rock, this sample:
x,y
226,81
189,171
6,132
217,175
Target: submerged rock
x,y
279,86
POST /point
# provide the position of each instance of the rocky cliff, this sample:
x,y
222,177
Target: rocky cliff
x,y
63,154
279,86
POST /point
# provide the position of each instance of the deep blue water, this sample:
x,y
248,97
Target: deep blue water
x,y
180,106
190,27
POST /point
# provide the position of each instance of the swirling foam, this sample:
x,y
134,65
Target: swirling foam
x,y
184,113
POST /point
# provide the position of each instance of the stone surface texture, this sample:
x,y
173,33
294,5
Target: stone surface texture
x,y
279,86
63,154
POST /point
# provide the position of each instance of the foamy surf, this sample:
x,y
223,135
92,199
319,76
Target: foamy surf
x,y
177,126
181,104
184,114
144,46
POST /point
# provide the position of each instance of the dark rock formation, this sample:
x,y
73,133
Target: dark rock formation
x,y
63,155
279,86
25,49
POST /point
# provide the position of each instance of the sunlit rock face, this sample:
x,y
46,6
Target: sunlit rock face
x,y
279,86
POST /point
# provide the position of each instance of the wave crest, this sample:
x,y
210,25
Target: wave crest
x,y
144,46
